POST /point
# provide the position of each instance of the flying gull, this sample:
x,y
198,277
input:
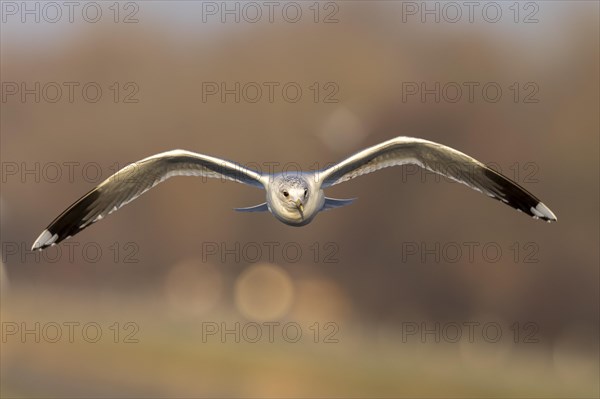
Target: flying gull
x,y
295,199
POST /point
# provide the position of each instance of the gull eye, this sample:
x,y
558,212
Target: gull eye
x,y
285,193
305,192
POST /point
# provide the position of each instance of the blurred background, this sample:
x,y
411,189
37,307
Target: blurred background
x,y
421,288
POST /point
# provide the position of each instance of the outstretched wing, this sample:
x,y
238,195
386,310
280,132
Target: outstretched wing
x,y
134,180
442,160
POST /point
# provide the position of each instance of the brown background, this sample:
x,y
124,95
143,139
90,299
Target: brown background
x,y
375,288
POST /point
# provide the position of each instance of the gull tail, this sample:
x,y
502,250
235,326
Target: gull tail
x,y
331,203
256,208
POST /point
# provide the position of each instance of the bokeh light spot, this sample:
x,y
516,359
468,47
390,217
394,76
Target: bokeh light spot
x,y
264,292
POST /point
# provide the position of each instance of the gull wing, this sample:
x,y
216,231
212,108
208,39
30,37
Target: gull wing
x,y
440,159
134,180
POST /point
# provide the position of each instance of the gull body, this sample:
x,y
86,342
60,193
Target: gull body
x,y
293,198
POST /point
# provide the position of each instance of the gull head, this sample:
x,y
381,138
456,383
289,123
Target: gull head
x,y
293,192
294,199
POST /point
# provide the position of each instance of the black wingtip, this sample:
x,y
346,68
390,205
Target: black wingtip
x,y
517,197
68,223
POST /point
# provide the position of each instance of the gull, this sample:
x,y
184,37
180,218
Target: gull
x,y
294,199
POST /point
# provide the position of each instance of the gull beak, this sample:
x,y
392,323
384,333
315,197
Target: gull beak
x,y
299,205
